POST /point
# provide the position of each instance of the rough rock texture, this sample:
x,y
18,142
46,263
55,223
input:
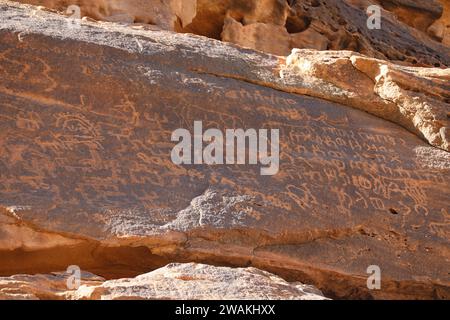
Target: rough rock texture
x,y
174,281
440,29
42,286
168,14
414,32
86,117
250,36
200,281
416,98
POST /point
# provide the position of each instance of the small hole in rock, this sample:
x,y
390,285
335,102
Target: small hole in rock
x,y
393,211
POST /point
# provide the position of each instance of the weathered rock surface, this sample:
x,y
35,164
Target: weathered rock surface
x,y
416,98
174,281
440,29
200,282
52,286
86,117
413,32
168,14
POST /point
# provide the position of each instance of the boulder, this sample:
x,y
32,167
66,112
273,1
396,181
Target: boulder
x,y
172,282
192,281
257,35
440,29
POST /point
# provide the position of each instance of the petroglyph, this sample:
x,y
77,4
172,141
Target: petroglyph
x,y
99,167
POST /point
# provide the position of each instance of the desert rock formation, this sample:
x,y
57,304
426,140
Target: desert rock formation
x,y
413,32
43,286
198,281
86,116
174,281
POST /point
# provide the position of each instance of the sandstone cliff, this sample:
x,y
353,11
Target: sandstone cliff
x,y
86,116
413,31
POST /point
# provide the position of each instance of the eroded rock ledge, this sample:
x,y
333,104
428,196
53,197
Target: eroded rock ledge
x,y
188,281
86,117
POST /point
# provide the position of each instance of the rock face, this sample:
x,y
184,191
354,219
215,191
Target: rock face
x,y
86,119
168,14
200,282
413,32
52,286
440,29
415,98
174,281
